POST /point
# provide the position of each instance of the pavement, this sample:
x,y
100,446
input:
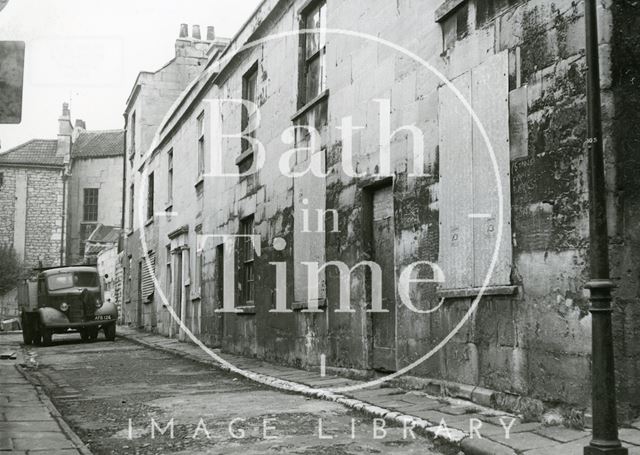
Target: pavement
x,y
454,425
29,423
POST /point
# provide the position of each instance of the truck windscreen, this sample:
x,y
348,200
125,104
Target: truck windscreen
x,y
72,280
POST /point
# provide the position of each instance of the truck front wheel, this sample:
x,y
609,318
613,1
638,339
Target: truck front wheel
x,y
110,331
47,336
27,328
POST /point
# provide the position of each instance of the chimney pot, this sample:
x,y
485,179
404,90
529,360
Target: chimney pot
x,y
65,110
184,31
195,32
81,124
211,33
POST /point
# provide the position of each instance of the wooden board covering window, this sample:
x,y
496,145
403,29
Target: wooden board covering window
x,y
468,187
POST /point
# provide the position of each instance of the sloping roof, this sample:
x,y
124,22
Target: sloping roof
x,y
104,234
36,152
98,144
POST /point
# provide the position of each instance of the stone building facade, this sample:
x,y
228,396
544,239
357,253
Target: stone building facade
x,y
95,186
151,98
44,186
32,203
449,149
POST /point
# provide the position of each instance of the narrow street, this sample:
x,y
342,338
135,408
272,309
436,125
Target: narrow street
x,y
110,392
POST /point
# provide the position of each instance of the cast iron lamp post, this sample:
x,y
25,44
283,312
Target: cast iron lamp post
x,y
605,427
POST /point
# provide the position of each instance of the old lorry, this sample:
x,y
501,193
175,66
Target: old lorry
x,y
64,299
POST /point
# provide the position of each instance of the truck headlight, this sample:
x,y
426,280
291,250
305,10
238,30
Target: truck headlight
x,y
98,302
64,306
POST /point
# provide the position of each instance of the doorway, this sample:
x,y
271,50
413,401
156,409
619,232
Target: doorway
x,y
177,288
380,238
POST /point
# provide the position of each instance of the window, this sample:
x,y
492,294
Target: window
x,y
1,180
219,276
249,93
148,267
468,190
201,145
150,196
131,204
313,59
132,129
90,205
197,285
246,261
170,176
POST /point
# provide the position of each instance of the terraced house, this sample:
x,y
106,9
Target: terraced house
x,y
443,142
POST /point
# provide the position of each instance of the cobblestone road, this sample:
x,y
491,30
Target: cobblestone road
x,y
110,392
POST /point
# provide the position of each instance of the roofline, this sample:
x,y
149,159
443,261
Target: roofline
x,y
95,157
164,134
34,165
25,143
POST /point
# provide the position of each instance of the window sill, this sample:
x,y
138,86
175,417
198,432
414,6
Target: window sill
x,y
127,301
199,181
148,222
307,107
195,297
168,207
474,292
247,309
244,156
130,232
299,306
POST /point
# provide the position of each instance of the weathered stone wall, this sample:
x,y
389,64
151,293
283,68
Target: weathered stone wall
x,y
534,343
42,223
624,170
157,92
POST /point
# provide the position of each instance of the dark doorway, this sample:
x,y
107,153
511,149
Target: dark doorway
x,y
177,288
381,239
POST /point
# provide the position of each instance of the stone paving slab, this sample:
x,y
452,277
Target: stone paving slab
x,y
424,412
29,422
630,435
561,434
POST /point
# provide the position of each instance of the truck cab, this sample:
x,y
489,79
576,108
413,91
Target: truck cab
x,y
66,299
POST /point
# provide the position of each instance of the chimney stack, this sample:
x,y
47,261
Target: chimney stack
x,y
64,121
81,124
211,33
65,131
195,32
184,31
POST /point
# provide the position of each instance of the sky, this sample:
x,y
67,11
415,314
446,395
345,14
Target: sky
x,y
89,52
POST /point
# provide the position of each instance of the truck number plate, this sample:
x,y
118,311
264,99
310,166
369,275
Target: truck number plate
x,y
102,317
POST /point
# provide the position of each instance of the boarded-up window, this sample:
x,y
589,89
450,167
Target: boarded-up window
x,y
469,193
148,270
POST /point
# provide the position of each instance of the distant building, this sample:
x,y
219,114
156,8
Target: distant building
x,y
54,192
95,186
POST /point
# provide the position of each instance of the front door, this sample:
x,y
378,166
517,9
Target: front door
x,y
177,289
384,324
139,305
